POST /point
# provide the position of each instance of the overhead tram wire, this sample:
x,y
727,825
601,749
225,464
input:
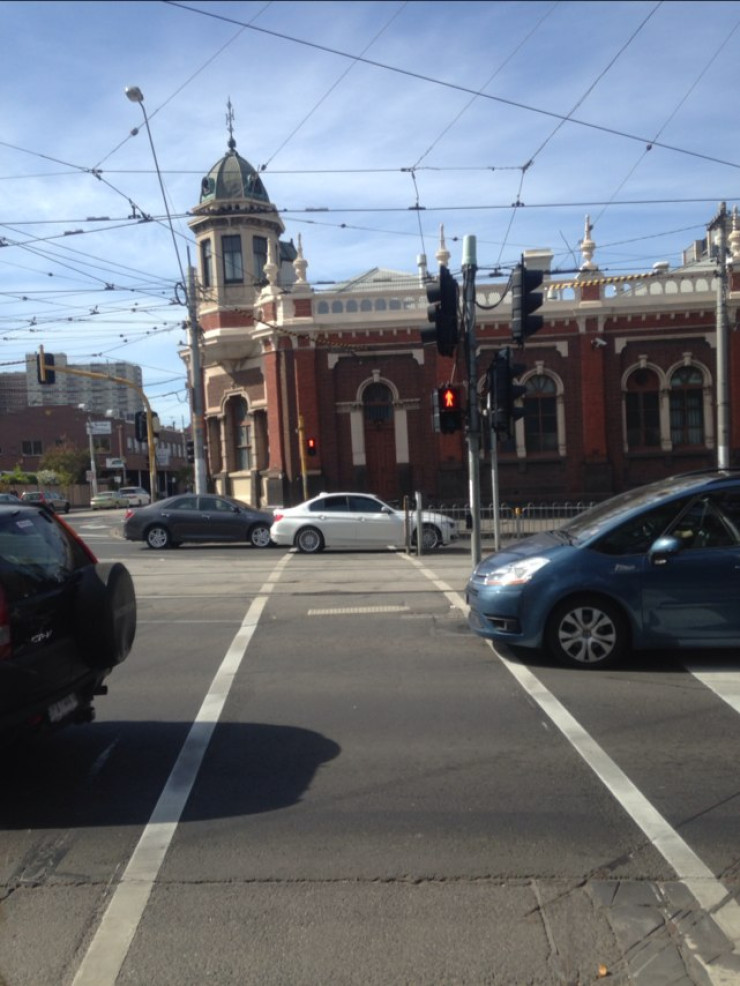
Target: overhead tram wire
x,y
682,100
563,121
332,87
187,82
602,128
487,83
597,80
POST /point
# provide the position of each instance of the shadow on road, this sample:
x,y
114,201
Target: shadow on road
x,y
113,773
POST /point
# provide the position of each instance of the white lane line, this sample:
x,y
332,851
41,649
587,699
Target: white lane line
x,y
708,891
691,871
725,684
108,949
354,610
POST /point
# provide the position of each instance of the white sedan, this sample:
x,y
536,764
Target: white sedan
x,y
136,496
355,520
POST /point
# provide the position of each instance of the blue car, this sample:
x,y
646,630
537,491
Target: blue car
x,y
657,567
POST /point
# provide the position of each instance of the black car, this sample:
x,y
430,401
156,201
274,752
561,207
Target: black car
x,y
66,621
197,517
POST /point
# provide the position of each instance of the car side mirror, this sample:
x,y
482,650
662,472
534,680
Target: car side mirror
x,y
662,549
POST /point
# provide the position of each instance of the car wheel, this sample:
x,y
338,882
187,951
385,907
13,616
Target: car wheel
x,y
105,614
259,536
158,537
431,538
309,540
587,632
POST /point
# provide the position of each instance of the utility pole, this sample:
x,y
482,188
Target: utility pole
x,y
469,267
197,409
722,383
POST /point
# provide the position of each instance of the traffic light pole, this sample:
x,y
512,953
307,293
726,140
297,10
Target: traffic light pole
x,y
469,267
92,375
494,475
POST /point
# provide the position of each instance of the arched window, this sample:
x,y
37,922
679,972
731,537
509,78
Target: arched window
x,y
687,407
377,402
242,434
642,410
541,415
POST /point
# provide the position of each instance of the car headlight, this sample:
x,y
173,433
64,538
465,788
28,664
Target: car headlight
x,y
515,573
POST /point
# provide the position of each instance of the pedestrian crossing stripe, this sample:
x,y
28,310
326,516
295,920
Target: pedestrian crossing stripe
x,y
353,610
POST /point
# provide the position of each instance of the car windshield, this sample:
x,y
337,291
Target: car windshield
x,y
593,522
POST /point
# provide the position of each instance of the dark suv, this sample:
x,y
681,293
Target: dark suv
x,y
66,621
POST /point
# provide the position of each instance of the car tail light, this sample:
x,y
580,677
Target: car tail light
x,y
5,644
276,516
129,513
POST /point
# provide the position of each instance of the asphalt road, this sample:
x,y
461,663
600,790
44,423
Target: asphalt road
x,y
308,773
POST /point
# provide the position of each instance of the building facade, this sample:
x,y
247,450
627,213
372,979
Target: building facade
x,y
96,394
309,390
26,436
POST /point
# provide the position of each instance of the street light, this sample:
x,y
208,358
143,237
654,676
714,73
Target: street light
x,y
197,403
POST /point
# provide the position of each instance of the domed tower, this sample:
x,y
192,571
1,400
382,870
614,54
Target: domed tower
x,y
234,225
237,232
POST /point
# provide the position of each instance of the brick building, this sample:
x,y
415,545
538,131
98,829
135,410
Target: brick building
x,y
620,380
27,435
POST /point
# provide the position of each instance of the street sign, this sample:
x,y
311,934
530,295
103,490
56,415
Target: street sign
x,y
115,463
99,428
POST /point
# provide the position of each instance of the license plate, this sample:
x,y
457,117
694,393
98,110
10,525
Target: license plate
x,y
60,709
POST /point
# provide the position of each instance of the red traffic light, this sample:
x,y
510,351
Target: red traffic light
x,y
449,399
449,403
312,446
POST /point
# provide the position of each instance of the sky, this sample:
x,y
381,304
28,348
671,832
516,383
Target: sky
x,y
372,124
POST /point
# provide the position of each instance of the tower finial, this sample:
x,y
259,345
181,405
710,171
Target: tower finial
x,y
230,124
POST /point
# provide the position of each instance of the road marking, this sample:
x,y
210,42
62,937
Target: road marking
x,y
352,610
709,892
107,952
725,684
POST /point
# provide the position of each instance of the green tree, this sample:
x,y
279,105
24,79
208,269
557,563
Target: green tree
x,y
68,462
17,477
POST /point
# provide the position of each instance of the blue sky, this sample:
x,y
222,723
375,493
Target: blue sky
x,y
626,111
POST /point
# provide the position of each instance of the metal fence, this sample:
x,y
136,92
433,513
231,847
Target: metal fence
x,y
516,521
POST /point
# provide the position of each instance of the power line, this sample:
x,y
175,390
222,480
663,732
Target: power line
x,y
456,86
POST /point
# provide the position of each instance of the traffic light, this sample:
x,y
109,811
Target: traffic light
x,y
525,299
312,446
450,409
190,450
442,311
504,392
140,430
45,368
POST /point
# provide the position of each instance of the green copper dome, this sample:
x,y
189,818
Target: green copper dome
x,y
232,178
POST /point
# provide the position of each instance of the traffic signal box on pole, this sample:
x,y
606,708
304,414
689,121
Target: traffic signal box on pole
x,y
448,409
442,295
504,392
45,367
140,431
525,299
312,446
